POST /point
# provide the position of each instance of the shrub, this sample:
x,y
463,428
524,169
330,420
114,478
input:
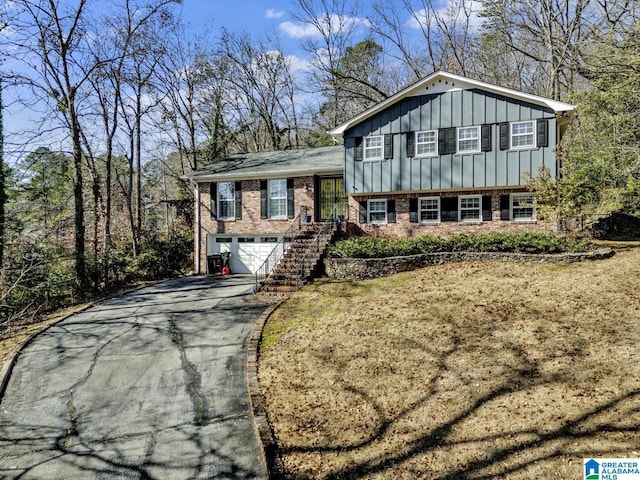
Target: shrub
x,y
525,242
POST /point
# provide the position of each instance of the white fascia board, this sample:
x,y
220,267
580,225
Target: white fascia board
x,y
227,177
422,87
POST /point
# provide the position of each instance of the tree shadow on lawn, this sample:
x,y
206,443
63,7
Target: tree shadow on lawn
x,y
526,439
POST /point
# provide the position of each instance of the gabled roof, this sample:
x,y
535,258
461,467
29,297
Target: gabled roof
x,y
277,164
440,82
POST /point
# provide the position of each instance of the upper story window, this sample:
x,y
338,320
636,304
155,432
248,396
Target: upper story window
x,y
427,143
523,134
468,139
470,208
226,200
277,200
374,148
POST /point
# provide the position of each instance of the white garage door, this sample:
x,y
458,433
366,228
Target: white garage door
x,y
247,253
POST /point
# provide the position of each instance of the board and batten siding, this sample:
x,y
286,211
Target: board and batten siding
x,y
460,108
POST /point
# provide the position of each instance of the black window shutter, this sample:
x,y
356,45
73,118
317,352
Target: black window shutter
x,y
449,209
504,207
542,134
238,190
504,136
413,210
290,199
388,147
362,212
486,208
213,192
391,211
485,136
411,144
264,203
446,141
358,149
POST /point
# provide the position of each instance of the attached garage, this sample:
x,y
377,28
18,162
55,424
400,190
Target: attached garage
x,y
247,252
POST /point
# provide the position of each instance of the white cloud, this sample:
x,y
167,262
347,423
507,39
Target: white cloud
x,y
336,23
296,30
272,13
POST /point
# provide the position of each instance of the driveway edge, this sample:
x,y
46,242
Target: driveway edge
x,y
266,437
5,373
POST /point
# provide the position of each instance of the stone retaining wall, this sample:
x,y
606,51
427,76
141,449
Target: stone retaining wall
x,y
365,268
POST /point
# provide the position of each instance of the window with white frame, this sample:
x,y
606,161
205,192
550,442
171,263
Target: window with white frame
x,y
377,211
427,143
523,134
277,199
522,207
429,209
468,139
470,208
226,200
374,148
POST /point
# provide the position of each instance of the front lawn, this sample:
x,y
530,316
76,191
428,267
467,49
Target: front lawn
x,y
460,371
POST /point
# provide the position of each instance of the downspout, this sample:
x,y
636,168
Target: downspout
x,y
197,233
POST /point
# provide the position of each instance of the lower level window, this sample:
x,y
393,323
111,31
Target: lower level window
x,y
470,208
522,207
377,211
429,209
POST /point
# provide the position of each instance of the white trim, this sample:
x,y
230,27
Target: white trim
x,y
522,194
381,147
386,212
479,218
219,202
432,81
420,199
533,136
198,232
477,139
434,143
269,199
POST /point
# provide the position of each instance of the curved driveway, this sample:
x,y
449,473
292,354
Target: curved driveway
x,y
148,386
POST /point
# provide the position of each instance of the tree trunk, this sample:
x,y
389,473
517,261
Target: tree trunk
x,y
2,192
80,259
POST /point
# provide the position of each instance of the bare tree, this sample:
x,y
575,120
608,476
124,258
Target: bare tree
x,y
445,35
53,45
259,88
553,36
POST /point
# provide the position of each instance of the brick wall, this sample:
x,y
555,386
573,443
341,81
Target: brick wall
x,y
404,228
251,223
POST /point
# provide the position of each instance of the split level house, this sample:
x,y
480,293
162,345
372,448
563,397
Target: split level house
x,y
447,154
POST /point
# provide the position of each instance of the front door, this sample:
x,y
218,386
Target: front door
x,y
331,195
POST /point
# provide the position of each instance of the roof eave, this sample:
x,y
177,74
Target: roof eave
x,y
235,176
555,105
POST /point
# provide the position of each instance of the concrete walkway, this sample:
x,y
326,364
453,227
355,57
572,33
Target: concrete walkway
x,y
149,386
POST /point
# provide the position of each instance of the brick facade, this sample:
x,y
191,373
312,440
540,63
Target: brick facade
x,y
251,223
404,228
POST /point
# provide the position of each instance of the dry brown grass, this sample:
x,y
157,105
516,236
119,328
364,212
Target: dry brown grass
x,y
460,371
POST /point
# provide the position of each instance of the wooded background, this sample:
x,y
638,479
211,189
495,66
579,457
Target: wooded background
x,y
129,100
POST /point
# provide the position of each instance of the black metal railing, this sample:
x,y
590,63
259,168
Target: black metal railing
x,y
284,242
314,248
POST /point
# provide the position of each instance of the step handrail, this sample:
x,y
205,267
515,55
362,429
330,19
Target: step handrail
x,y
314,247
281,247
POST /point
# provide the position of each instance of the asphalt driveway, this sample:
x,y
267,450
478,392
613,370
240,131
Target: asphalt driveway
x,y
150,385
